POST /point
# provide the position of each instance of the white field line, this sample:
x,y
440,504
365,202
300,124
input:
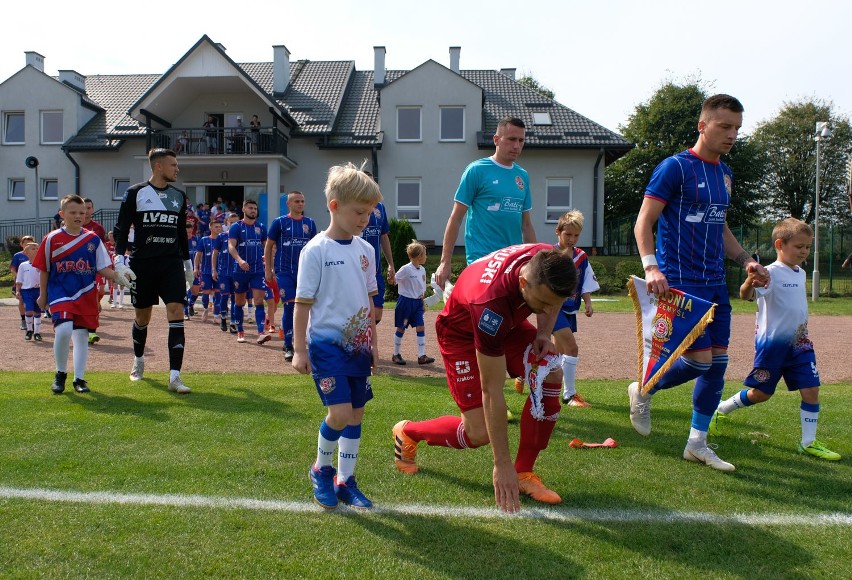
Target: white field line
x,y
549,514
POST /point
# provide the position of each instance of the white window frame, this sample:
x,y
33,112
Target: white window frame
x,y
44,183
401,209
542,118
118,195
44,141
6,115
557,209
12,182
419,137
441,125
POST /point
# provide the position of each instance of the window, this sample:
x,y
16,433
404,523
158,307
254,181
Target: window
x,y
13,128
408,199
119,188
51,128
17,189
49,189
559,198
408,124
542,118
452,123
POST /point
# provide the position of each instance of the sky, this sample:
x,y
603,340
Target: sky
x,y
601,58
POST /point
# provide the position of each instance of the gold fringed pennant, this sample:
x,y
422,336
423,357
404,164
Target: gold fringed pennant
x,y
665,328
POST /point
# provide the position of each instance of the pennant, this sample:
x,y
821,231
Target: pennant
x,y
665,328
535,371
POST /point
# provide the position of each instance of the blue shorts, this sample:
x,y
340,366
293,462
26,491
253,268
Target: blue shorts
x,y
243,281
226,284
379,299
30,298
196,281
718,333
801,374
267,292
565,320
207,282
408,312
286,286
337,389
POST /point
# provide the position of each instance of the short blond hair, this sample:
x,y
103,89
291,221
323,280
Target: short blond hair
x,y
30,246
787,228
571,218
71,198
415,249
349,184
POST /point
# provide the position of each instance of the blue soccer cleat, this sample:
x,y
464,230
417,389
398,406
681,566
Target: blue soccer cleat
x,y
323,481
349,494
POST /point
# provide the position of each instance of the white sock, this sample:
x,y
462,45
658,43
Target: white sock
x,y
173,374
62,344
421,345
697,438
569,374
397,343
37,324
346,457
29,320
80,338
809,426
325,450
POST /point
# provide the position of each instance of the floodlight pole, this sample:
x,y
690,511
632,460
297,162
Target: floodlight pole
x,y
822,132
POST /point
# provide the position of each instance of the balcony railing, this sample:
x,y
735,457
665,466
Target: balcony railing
x,y
222,141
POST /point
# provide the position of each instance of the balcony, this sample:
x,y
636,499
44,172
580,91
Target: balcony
x,y
224,141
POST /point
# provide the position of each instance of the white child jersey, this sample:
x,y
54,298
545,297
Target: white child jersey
x,y
338,279
28,276
781,331
411,280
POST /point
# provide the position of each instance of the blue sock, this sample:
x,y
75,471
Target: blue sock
x,y
708,388
205,301
238,317
223,303
684,369
744,398
260,317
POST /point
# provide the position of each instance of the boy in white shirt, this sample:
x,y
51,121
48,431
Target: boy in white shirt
x,y
411,280
782,346
27,289
333,330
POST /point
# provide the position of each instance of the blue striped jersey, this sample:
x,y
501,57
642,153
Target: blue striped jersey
x,y
290,236
207,246
250,242
377,226
224,261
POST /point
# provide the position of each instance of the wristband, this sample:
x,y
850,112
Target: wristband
x,y
649,260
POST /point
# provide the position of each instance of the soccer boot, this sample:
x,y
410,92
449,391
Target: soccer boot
x,y
58,382
706,456
425,360
223,325
37,337
263,337
519,385
288,353
94,338
24,324
716,423
233,328
404,450
191,311
138,370
530,484
177,386
640,410
204,314
28,335
396,359
241,336
575,400
80,386
349,494
818,449
322,481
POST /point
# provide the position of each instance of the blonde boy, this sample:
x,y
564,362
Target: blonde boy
x,y
333,329
411,280
782,346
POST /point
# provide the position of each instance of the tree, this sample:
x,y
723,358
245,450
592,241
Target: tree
x,y
530,82
667,124
790,177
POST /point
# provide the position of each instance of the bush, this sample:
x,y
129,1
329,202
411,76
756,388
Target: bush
x,y
606,281
401,233
13,244
627,268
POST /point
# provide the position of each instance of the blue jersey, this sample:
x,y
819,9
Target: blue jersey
x,y
290,236
586,281
207,246
377,226
690,230
224,261
496,198
194,246
250,242
18,259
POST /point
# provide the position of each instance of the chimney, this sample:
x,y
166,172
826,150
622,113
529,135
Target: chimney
x,y
73,78
35,60
509,72
379,67
455,53
280,69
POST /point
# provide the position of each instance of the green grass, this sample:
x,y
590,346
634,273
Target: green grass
x,y
254,437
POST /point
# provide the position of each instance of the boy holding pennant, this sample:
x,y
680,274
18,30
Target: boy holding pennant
x,y
687,198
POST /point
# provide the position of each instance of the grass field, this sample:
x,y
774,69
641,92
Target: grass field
x,y
189,467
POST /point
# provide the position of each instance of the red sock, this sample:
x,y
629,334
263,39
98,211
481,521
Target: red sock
x,y
535,435
445,431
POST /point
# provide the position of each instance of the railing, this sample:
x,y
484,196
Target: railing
x,y
222,141
22,227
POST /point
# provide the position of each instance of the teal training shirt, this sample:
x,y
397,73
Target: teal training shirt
x,y
495,197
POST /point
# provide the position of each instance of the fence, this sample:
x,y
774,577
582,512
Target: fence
x,y
835,244
40,228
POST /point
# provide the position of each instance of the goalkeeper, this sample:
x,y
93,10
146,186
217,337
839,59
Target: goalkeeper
x,y
159,266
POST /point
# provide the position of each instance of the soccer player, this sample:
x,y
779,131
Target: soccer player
x,y
18,259
69,258
782,346
411,280
194,243
288,234
688,195
483,332
223,268
204,271
246,240
159,267
376,234
333,331
27,282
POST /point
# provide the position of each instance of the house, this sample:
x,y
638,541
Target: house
x,y
416,129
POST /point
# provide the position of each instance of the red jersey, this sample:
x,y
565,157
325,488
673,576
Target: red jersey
x,y
486,303
94,226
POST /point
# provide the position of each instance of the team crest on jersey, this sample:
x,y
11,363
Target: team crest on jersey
x,y
662,328
729,185
257,230
462,367
90,247
305,229
489,322
519,182
377,213
761,375
365,263
327,385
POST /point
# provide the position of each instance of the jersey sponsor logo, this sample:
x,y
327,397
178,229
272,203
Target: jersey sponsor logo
x,y
327,384
331,263
158,217
371,232
462,367
708,214
519,182
511,205
489,322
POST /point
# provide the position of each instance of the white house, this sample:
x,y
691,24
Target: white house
x,y
417,130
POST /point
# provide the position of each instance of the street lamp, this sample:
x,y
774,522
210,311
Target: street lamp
x,y
32,163
822,132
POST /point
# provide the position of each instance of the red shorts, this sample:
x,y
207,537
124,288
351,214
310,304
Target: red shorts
x,y
463,371
89,322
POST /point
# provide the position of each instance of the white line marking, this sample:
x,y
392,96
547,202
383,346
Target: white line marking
x,y
549,514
